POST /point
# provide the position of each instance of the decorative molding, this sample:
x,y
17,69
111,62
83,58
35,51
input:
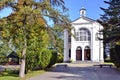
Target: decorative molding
x,y
82,23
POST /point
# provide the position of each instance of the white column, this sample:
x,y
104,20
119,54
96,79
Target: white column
x,y
66,50
101,56
92,43
101,52
73,53
82,54
73,46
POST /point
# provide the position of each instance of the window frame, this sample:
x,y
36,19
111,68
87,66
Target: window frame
x,y
83,34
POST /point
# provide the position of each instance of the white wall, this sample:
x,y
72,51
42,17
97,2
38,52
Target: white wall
x,y
95,45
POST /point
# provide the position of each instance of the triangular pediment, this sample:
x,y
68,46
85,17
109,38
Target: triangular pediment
x,y
83,20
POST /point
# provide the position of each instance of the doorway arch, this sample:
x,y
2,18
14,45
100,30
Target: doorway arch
x,y
79,53
87,54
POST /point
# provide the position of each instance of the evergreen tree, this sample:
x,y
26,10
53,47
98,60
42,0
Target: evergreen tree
x,y
111,20
111,24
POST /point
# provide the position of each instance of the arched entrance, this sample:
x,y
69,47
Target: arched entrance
x,y
87,54
79,53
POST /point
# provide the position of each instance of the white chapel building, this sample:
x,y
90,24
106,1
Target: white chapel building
x,y
84,44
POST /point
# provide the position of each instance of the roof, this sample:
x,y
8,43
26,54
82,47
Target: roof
x,y
85,18
13,54
82,8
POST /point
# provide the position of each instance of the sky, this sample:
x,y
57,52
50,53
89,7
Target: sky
x,y
92,8
74,6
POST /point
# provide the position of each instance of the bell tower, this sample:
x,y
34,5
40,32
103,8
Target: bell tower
x,y
82,12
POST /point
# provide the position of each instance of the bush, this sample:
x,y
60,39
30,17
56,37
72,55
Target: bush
x,y
31,60
53,58
3,59
115,55
40,59
45,56
60,58
117,49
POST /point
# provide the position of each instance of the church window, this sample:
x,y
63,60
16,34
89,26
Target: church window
x,y
83,35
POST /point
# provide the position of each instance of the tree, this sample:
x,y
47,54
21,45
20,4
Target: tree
x,y
28,15
111,19
36,44
58,34
4,51
111,23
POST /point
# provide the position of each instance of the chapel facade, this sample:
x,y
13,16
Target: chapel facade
x,y
84,44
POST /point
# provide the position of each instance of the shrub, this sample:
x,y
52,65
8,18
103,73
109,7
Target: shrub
x,y
44,58
60,58
53,58
115,55
31,60
117,49
112,55
40,59
3,59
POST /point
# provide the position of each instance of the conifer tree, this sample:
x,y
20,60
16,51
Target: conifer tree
x,y
111,31
111,20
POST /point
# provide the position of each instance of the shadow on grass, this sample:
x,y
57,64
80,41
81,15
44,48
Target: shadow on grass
x,y
14,73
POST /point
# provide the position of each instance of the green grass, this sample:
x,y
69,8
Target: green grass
x,y
108,63
9,75
34,73
13,75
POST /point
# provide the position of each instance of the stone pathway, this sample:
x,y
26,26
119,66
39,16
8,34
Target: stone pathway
x,y
82,71
1,68
12,67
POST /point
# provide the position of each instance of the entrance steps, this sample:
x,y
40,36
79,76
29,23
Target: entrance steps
x,y
85,62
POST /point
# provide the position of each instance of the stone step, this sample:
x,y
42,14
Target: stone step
x,y
85,62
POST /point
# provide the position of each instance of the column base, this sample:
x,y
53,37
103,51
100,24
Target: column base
x,y
66,61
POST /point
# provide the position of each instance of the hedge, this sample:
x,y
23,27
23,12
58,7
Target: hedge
x,y
115,55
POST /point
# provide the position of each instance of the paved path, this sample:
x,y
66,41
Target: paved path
x,y
1,68
79,72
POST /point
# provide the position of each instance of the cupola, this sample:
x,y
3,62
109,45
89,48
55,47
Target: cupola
x,y
82,12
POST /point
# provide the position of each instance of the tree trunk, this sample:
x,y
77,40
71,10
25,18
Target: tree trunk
x,y
22,66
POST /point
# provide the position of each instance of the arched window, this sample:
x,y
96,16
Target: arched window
x,y
83,34
87,47
79,48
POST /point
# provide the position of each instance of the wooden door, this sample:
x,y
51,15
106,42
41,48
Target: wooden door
x,y
87,55
78,54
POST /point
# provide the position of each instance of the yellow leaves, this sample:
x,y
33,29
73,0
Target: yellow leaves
x,y
45,37
19,24
16,41
118,42
3,22
24,2
26,10
20,2
5,34
40,21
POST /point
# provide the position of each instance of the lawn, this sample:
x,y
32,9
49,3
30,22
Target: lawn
x,y
13,75
108,63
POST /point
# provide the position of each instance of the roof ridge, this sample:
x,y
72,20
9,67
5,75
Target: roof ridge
x,y
87,18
